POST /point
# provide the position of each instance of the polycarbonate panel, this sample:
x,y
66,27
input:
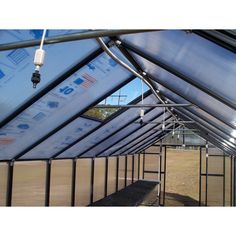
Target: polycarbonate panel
x,y
148,142
129,170
153,149
61,179
194,95
141,166
29,180
70,97
111,183
152,162
12,36
192,55
199,113
123,133
136,136
203,191
151,176
104,131
215,191
62,138
16,66
3,183
136,167
99,179
216,165
83,182
228,181
121,173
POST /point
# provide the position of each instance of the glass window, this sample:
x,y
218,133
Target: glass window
x,y
61,179
29,180
123,96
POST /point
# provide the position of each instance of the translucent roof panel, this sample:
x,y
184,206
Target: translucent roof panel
x,y
200,116
151,136
68,99
143,132
75,130
123,96
11,36
151,115
191,93
202,60
107,129
16,66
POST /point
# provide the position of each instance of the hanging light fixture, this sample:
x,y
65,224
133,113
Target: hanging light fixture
x,y
38,61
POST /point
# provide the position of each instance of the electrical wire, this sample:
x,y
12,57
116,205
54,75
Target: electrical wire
x,y
43,38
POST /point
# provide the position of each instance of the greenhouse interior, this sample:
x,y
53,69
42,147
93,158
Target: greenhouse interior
x,y
117,118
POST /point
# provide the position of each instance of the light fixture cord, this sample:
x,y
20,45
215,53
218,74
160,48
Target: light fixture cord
x,y
43,38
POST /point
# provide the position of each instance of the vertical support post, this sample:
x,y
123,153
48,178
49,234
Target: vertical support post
x,y
143,163
48,182
200,176
207,155
106,177
73,183
231,180
132,169
234,182
92,180
117,172
9,183
223,179
164,187
138,166
159,174
126,170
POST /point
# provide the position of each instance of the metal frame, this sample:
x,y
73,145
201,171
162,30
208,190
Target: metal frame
x,y
9,183
215,37
110,135
117,173
48,182
127,143
92,180
126,162
78,114
90,34
179,75
73,181
106,176
106,121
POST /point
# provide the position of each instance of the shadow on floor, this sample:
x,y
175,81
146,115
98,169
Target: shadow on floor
x,y
174,199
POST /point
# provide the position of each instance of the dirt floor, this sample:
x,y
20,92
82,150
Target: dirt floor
x,y
182,178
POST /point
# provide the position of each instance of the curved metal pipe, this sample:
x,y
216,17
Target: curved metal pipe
x,y
123,64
